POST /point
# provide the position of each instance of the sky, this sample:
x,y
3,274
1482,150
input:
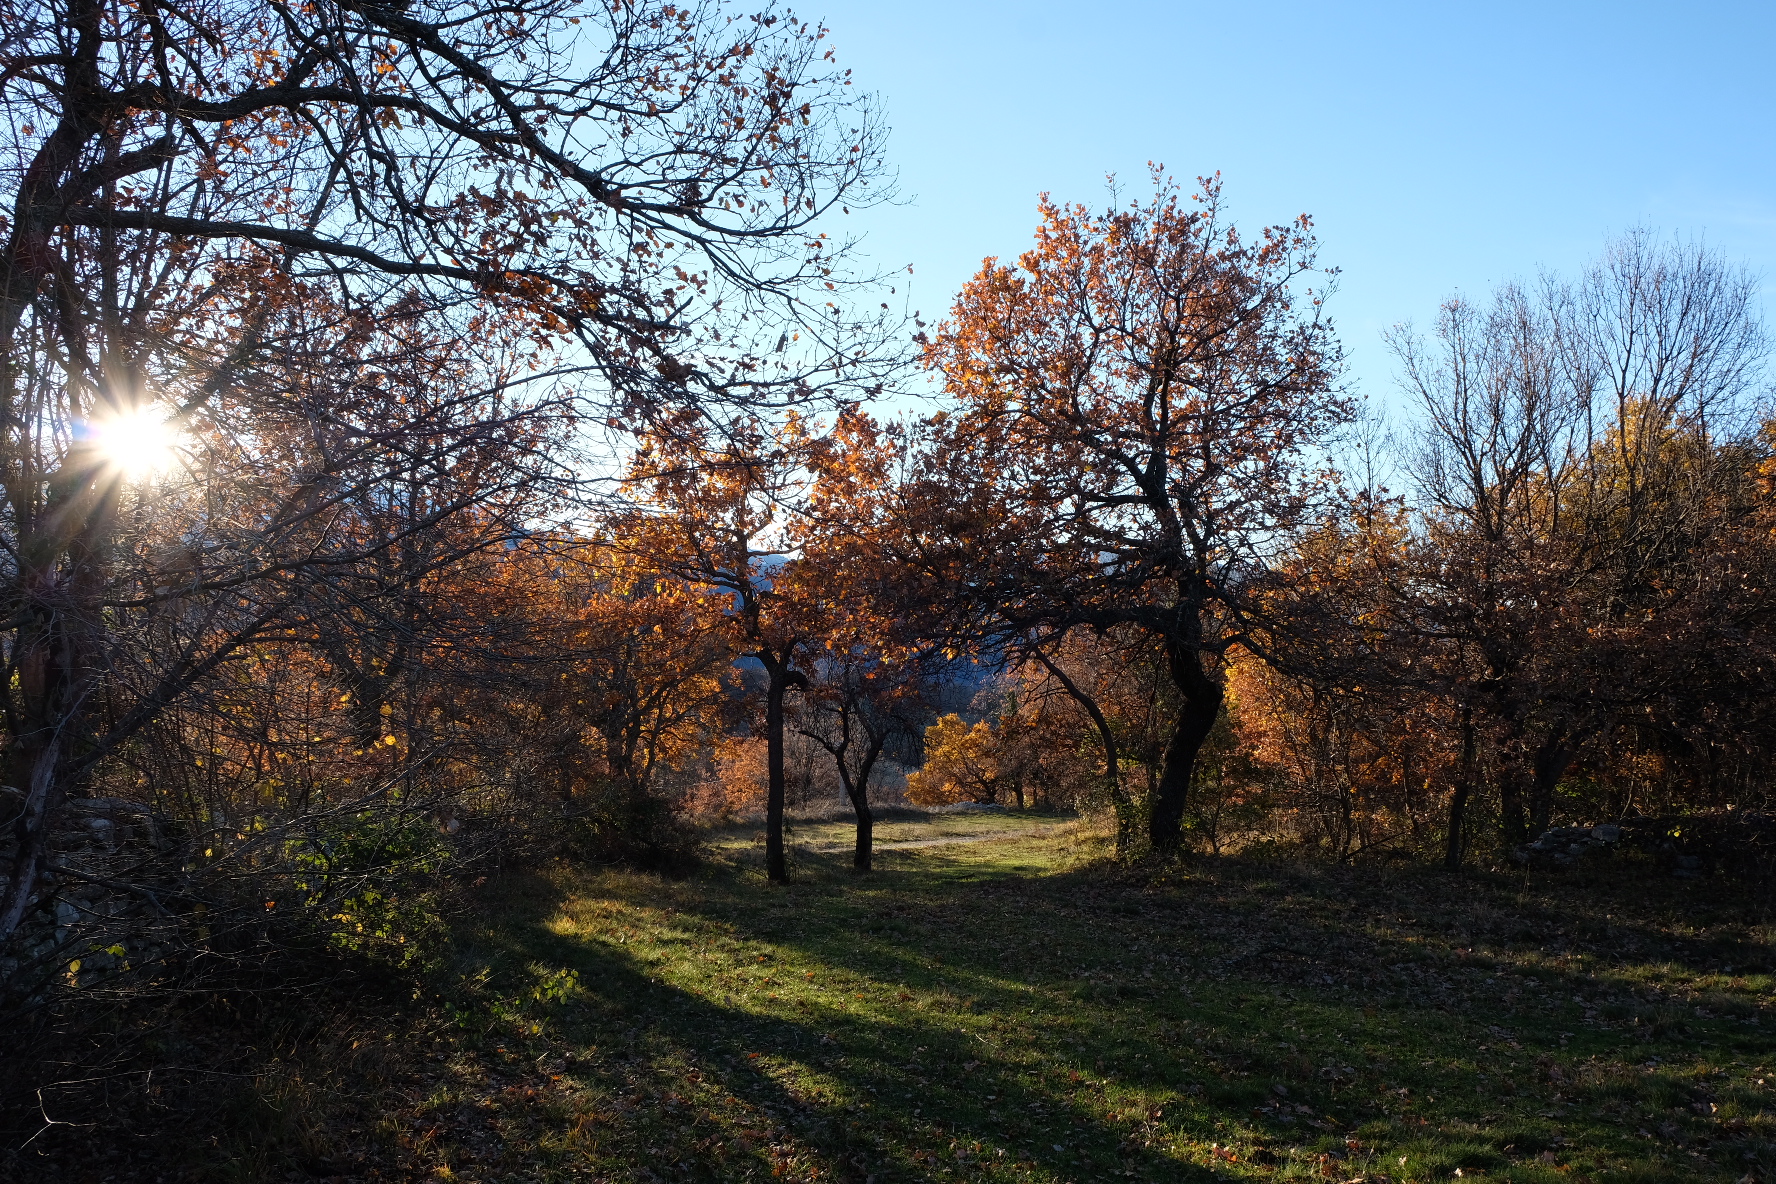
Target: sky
x,y
1440,148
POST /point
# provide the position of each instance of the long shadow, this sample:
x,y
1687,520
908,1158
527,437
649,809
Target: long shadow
x,y
945,1128
1250,956
1241,1002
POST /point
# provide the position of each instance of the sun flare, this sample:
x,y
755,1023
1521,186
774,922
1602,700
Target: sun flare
x,y
138,443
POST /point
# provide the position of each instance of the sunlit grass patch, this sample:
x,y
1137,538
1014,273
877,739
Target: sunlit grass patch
x,y
1012,1010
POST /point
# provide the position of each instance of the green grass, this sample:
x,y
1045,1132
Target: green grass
x,y
1013,1009
1017,1010
836,833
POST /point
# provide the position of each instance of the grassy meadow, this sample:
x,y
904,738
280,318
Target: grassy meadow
x,y
1012,1007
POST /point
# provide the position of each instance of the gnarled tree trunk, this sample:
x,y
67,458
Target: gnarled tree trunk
x,y
1202,697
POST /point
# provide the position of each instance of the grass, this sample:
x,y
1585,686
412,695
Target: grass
x,y
1019,1010
836,833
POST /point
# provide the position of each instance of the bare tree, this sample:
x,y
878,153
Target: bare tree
x,y
1569,473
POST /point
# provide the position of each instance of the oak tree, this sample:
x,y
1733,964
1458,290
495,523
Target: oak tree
x,y
1136,408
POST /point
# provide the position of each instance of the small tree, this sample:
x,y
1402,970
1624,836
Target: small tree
x,y
858,702
722,514
963,763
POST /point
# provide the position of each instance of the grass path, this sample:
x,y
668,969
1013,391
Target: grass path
x,y
899,830
907,844
829,836
1006,1010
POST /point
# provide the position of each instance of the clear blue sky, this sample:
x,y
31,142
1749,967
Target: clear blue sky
x,y
1439,147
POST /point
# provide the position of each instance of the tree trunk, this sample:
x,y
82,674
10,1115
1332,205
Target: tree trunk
x,y
1196,718
31,834
780,679
1338,769
776,864
55,665
1551,761
864,851
858,790
1458,799
1512,820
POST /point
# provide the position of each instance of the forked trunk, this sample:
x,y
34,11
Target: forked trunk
x,y
856,784
857,789
864,852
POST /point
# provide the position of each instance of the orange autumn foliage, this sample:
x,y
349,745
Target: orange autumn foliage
x,y
963,763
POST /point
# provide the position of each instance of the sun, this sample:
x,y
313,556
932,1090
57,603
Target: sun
x,y
137,443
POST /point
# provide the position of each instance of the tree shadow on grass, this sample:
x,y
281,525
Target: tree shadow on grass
x,y
971,1020
840,1089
